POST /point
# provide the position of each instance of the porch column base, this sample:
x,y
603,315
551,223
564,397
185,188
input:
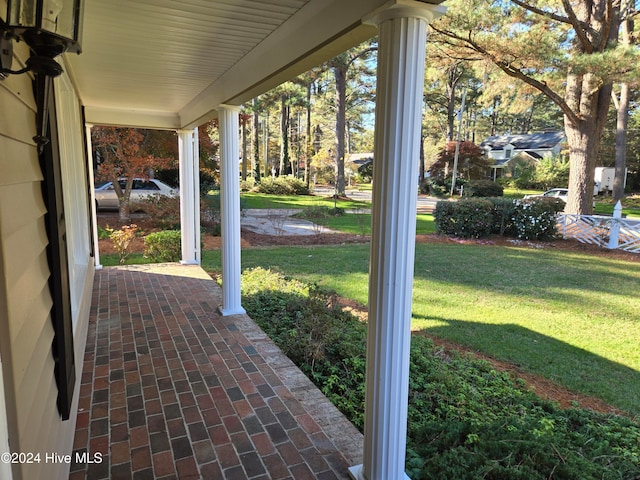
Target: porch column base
x,y
357,473
227,312
189,262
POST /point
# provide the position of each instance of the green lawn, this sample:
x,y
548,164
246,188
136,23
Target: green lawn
x,y
603,208
263,201
572,318
360,223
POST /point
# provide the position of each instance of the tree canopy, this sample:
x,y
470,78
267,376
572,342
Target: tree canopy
x,y
567,50
129,153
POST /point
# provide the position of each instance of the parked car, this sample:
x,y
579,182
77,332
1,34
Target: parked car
x,y
106,197
560,193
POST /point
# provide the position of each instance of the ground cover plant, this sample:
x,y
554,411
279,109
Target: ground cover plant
x,y
567,316
466,420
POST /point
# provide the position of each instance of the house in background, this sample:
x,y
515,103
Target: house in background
x,y
509,151
174,66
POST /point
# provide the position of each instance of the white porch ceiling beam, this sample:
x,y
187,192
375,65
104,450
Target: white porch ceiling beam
x,y
132,118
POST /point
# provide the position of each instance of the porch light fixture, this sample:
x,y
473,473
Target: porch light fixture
x,y
49,28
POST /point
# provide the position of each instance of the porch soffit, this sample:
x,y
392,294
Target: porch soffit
x,y
169,64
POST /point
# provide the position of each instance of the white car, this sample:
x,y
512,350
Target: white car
x,y
106,197
560,193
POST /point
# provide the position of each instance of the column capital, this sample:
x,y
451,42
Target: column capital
x,y
406,9
229,108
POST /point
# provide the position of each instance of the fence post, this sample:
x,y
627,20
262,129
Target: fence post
x,y
615,226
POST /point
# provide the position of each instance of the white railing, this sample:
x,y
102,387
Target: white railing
x,y
607,232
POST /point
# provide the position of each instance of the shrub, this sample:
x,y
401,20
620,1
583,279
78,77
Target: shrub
x,y
502,210
466,218
365,172
122,239
104,233
210,213
483,188
319,212
163,246
282,186
165,211
535,218
248,184
430,187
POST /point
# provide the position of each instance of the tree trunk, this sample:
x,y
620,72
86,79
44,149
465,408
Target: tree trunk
x,y
124,205
309,147
422,173
341,102
284,137
494,115
124,212
583,137
256,145
622,121
245,148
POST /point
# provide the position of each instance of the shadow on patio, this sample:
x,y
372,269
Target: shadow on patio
x,y
170,389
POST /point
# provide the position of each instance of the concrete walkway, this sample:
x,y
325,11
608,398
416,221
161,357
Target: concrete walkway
x,y
279,222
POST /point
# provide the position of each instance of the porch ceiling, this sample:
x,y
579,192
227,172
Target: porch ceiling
x,y
169,64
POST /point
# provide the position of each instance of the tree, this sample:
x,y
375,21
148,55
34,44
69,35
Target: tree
x,y
256,141
245,119
472,164
340,66
622,110
290,95
124,153
566,50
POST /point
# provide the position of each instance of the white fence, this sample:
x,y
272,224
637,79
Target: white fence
x,y
608,232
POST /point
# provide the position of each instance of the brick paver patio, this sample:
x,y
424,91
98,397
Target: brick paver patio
x,y
172,390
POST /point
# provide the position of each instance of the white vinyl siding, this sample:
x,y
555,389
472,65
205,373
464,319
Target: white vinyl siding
x,y
33,422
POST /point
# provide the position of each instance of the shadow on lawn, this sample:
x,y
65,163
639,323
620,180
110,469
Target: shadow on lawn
x,y
572,367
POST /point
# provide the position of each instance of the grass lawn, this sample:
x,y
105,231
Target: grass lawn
x,y
572,318
607,209
360,223
263,201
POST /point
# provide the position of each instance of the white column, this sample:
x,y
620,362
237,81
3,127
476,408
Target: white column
x,y
401,57
228,120
189,196
92,196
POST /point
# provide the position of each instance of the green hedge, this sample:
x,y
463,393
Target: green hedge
x,y
164,246
466,218
482,188
530,219
282,186
535,218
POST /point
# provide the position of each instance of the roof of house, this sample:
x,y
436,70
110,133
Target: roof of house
x,y
532,141
361,158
